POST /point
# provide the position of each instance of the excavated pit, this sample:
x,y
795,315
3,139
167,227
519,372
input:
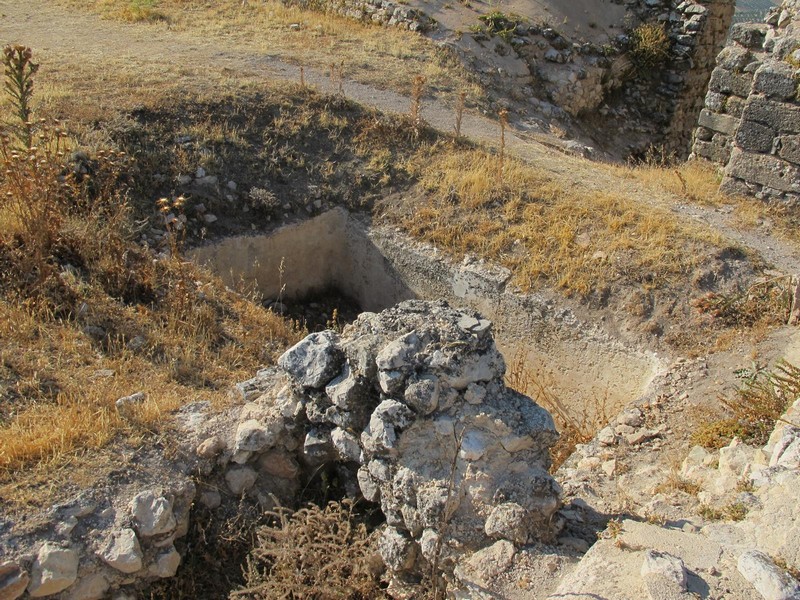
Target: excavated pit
x,y
584,372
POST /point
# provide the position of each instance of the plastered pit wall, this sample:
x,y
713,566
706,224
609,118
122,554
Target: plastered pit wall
x,y
586,369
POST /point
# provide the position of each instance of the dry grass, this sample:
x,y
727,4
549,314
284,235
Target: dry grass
x,y
385,57
751,413
580,241
573,427
87,316
315,553
696,180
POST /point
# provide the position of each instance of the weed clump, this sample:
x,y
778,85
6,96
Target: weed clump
x,y
754,409
767,302
320,553
649,46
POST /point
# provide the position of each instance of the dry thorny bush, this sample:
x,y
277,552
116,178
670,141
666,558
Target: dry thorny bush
x,y
315,553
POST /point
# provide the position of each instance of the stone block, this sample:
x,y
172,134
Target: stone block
x,y
749,35
734,106
789,148
722,123
734,58
703,134
715,101
727,82
780,116
714,152
755,137
776,80
764,169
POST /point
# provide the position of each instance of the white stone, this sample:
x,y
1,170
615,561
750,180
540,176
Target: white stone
x,y
606,436
252,436
397,551
346,445
152,515
54,570
398,353
475,394
508,521
240,479
770,581
660,568
210,447
473,445
313,361
122,551
166,563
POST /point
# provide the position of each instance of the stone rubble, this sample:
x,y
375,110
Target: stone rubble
x,y
409,407
740,559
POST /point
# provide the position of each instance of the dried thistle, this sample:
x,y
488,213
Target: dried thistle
x,y
19,72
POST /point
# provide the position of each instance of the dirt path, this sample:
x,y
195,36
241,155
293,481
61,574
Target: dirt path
x,y
81,38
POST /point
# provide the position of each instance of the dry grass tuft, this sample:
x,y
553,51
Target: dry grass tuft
x,y
754,409
649,46
573,429
134,11
315,553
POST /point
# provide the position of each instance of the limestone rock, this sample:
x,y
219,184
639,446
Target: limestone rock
x,y
664,575
486,564
166,563
240,479
122,551
210,447
766,577
252,436
509,522
13,581
152,514
54,570
313,361
346,445
397,550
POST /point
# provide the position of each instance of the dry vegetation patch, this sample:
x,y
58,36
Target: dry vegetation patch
x,y
379,56
580,241
87,315
752,411
320,553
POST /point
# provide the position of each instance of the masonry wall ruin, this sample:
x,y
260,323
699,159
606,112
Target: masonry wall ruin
x,y
751,121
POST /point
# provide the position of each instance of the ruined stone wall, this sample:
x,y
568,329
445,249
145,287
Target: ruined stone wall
x,y
751,121
382,12
699,31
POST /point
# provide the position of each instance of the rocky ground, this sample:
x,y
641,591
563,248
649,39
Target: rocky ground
x,y
640,470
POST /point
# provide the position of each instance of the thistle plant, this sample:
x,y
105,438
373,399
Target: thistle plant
x,y
19,72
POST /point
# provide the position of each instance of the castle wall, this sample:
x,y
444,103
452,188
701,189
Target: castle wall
x,y
750,124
